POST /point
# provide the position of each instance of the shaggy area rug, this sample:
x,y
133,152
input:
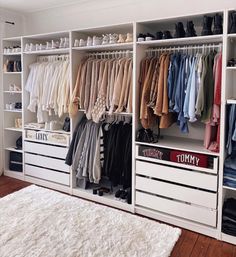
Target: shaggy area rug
x,y
38,222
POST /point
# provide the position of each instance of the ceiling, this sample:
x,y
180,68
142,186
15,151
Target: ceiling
x,y
29,6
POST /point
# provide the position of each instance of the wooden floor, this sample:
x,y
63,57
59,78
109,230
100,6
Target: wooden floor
x,y
190,244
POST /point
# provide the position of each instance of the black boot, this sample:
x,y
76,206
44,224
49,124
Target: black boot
x,y
179,30
159,35
166,34
232,28
207,24
190,32
218,27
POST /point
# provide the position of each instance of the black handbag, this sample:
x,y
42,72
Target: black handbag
x,y
66,125
19,143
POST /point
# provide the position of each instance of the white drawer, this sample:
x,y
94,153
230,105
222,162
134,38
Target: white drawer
x,y
187,211
48,150
50,175
181,176
181,193
47,162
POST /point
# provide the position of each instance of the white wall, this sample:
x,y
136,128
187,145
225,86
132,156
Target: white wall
x,y
104,12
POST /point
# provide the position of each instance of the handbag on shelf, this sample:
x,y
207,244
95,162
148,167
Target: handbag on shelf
x,y
66,125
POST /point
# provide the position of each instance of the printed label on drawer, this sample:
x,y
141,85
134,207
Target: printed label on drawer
x,y
47,136
154,152
195,159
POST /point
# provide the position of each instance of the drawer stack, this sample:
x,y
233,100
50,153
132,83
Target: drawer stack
x,y
184,191
46,160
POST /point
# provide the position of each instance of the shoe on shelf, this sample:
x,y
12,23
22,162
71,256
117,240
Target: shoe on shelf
x,y
141,37
97,41
207,24
190,31
232,22
89,41
105,39
113,38
48,46
129,38
82,42
76,43
66,42
179,30
159,35
121,39
118,193
231,62
166,34
27,47
149,37
218,24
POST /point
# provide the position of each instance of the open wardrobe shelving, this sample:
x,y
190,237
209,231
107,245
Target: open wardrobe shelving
x,y
182,193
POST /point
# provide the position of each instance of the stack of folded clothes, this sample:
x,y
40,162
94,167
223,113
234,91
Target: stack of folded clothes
x,y
229,217
230,172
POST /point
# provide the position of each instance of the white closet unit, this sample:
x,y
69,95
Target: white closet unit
x,y
12,93
77,54
184,195
45,150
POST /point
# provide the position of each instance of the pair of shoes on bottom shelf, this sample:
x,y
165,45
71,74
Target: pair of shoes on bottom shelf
x,y
100,191
124,194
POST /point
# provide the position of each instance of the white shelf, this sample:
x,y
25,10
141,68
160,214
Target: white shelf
x,y
229,188
13,149
119,46
231,101
12,39
14,174
14,72
14,54
233,35
230,68
52,51
14,129
182,144
183,41
15,110
228,238
12,92
107,199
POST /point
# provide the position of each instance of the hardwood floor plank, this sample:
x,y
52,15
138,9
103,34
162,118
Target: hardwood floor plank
x,y
175,251
201,246
187,245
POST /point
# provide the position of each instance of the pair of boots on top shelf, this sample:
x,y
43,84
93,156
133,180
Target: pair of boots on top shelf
x,y
190,31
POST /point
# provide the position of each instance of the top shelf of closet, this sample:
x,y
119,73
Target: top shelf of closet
x,y
182,144
183,41
119,46
52,51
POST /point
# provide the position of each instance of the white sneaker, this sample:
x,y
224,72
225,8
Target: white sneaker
x,y
105,39
97,41
66,42
76,43
32,47
82,42
113,38
27,47
48,46
89,41
61,45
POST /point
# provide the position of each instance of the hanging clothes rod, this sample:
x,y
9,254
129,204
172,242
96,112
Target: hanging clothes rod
x,y
53,58
177,48
123,53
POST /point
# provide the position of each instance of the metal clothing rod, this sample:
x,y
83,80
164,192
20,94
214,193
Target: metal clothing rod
x,y
192,47
113,54
53,58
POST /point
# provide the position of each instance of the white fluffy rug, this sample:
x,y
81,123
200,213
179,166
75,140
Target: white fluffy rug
x,y
38,222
